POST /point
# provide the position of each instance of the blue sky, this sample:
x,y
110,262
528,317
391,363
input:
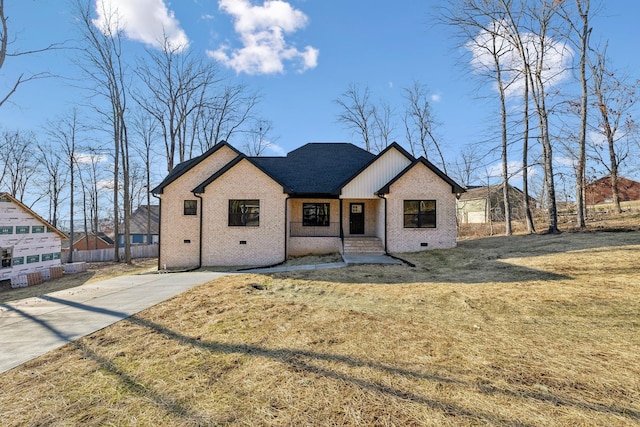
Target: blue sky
x,y
324,46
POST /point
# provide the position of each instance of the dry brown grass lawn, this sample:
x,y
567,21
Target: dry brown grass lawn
x,y
517,331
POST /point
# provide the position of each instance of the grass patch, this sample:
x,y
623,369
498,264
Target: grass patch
x,y
521,330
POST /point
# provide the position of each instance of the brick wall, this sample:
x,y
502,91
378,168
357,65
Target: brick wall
x,y
225,245
420,183
601,191
179,246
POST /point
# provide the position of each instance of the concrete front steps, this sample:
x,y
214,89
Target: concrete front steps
x,y
363,245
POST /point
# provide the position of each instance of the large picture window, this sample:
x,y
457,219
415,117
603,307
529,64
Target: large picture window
x,y
244,213
315,214
191,207
419,214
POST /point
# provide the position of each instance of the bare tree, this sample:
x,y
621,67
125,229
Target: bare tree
x,y
465,169
357,112
103,62
383,125
56,174
177,86
19,161
258,138
225,114
5,42
578,16
614,99
146,130
420,123
66,131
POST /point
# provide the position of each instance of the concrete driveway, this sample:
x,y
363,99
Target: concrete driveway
x,y
31,327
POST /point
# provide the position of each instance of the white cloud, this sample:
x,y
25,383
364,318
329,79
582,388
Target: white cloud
x,y
275,149
436,97
262,31
557,57
147,21
90,158
514,169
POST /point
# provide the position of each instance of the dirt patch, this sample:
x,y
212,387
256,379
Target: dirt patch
x,y
95,271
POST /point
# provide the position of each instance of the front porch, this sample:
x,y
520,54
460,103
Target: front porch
x,y
318,226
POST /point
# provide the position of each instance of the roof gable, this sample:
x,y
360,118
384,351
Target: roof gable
x,y
32,213
182,168
455,188
382,168
203,185
138,219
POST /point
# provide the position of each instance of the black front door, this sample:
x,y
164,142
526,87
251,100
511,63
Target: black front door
x,y
356,218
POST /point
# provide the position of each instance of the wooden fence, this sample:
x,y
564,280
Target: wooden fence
x,y
104,255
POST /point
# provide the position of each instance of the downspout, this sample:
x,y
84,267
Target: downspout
x,y
286,217
159,226
385,222
341,227
200,232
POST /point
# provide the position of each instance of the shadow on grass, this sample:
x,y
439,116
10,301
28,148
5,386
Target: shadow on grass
x,y
7,293
305,361
478,261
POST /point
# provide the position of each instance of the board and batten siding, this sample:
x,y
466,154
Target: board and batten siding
x,y
376,175
35,246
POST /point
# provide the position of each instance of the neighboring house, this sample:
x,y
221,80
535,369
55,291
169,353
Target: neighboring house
x,y
139,230
88,242
601,191
28,243
224,208
479,204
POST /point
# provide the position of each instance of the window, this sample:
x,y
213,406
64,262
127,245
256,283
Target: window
x,y
37,228
191,207
22,229
245,213
315,214
6,255
8,229
419,214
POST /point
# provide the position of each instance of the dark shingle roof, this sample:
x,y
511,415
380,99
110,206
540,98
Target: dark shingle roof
x,y
138,220
316,168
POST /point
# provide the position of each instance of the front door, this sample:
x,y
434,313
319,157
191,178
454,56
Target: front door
x,y
356,218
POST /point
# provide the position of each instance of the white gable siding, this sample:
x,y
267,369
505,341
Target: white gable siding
x,y
376,176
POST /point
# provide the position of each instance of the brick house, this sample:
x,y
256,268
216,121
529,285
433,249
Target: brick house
x,y
601,191
88,241
227,209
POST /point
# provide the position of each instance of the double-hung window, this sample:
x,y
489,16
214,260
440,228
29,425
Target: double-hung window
x,y
191,207
315,214
244,213
419,214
